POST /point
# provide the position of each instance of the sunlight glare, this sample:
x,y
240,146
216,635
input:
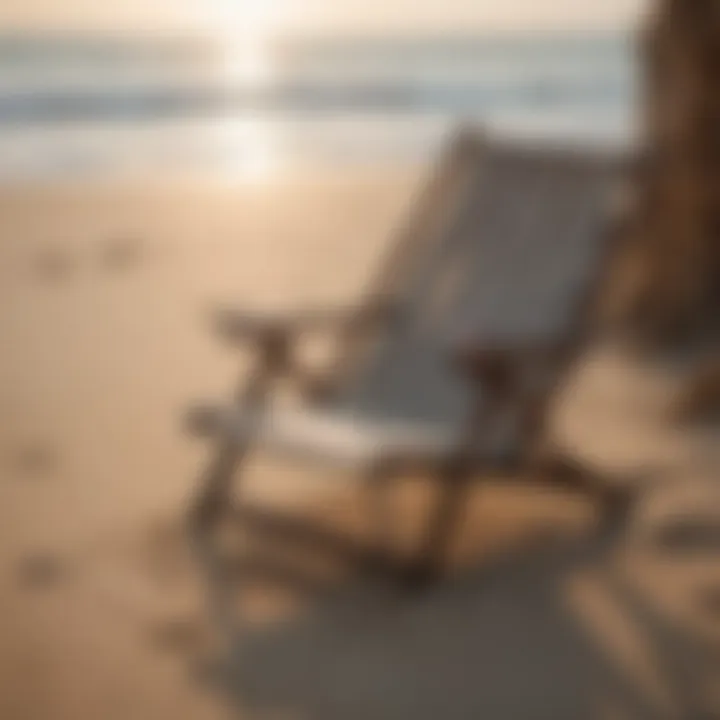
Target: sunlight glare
x,y
246,62
244,28
248,150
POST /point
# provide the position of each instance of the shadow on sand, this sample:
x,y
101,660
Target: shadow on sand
x,y
497,642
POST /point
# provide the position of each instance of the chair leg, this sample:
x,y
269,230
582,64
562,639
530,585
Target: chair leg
x,y
560,470
216,482
456,472
204,517
381,559
215,485
435,544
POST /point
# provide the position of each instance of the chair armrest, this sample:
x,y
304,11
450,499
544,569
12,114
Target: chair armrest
x,y
274,338
243,327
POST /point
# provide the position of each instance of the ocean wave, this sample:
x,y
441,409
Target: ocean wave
x,y
53,105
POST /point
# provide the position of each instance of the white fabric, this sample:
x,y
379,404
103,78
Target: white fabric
x,y
328,438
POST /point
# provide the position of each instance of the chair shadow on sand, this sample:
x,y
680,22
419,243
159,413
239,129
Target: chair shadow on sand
x,y
496,641
500,642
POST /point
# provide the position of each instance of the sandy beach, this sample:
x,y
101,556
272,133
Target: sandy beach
x,y
160,160
104,294
104,334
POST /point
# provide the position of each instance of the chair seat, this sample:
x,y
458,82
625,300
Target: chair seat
x,y
329,438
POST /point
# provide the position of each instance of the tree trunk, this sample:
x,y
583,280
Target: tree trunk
x,y
677,224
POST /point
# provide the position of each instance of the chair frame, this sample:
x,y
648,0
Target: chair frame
x,y
496,376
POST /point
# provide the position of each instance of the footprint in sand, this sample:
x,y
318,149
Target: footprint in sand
x,y
34,460
121,254
166,554
40,571
181,635
54,264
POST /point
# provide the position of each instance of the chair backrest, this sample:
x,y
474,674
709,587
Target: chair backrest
x,y
504,246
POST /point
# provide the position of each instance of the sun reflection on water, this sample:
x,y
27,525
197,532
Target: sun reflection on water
x,y
249,149
247,143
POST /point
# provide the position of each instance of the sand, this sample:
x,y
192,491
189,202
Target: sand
x,y
104,298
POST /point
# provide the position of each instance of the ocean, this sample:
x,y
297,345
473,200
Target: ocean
x,y
90,107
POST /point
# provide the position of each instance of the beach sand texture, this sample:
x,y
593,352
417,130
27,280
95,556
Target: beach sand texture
x,y
104,293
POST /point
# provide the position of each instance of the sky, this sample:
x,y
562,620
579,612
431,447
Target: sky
x,y
262,17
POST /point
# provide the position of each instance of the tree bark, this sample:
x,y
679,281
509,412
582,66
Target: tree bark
x,y
676,232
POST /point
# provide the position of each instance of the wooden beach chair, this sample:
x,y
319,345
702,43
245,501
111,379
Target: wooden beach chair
x,y
450,364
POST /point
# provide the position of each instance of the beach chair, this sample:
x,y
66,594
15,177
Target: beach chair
x,y
450,364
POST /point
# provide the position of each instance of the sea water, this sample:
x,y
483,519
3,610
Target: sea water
x,y
75,107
